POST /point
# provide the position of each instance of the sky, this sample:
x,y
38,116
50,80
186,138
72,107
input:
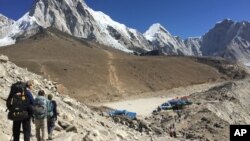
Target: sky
x,y
184,18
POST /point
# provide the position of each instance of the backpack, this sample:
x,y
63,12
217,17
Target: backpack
x,y
40,107
50,108
18,102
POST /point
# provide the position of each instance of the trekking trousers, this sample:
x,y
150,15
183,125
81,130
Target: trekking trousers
x,y
40,128
26,129
50,124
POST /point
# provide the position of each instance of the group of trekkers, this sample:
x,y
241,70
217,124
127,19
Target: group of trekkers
x,y
23,109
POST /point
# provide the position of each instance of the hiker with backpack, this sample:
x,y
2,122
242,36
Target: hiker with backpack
x,y
40,114
52,115
19,103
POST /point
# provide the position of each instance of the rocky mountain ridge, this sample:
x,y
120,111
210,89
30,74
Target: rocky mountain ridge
x,y
5,21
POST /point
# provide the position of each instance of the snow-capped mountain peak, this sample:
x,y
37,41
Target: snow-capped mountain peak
x,y
154,29
162,40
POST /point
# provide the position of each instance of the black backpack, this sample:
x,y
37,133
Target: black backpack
x,y
18,102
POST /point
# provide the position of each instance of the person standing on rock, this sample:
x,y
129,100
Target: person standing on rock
x,y
52,115
40,114
19,104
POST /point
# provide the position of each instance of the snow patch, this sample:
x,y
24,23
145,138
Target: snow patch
x,y
7,41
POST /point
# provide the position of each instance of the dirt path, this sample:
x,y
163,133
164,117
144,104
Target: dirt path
x,y
113,78
43,71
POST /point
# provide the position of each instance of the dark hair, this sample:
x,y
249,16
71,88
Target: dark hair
x,y
41,93
50,96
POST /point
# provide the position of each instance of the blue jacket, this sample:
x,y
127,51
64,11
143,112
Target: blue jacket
x,y
30,97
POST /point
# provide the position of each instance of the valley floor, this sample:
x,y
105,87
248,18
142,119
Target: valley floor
x,y
145,104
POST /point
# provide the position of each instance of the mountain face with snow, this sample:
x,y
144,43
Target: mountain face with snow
x,y
4,21
4,24
25,27
228,39
194,44
162,40
76,18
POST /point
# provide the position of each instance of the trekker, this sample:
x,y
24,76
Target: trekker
x,y
40,114
19,104
170,131
29,87
52,115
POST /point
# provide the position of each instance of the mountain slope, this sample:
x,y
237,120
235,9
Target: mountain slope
x,y
228,39
93,74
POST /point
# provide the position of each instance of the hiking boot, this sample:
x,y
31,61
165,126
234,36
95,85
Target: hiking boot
x,y
50,137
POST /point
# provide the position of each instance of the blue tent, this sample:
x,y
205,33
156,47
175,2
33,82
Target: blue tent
x,y
130,115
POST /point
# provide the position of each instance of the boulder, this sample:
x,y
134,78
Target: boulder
x,y
68,117
93,135
2,71
68,101
71,128
4,58
157,130
121,134
58,128
64,124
